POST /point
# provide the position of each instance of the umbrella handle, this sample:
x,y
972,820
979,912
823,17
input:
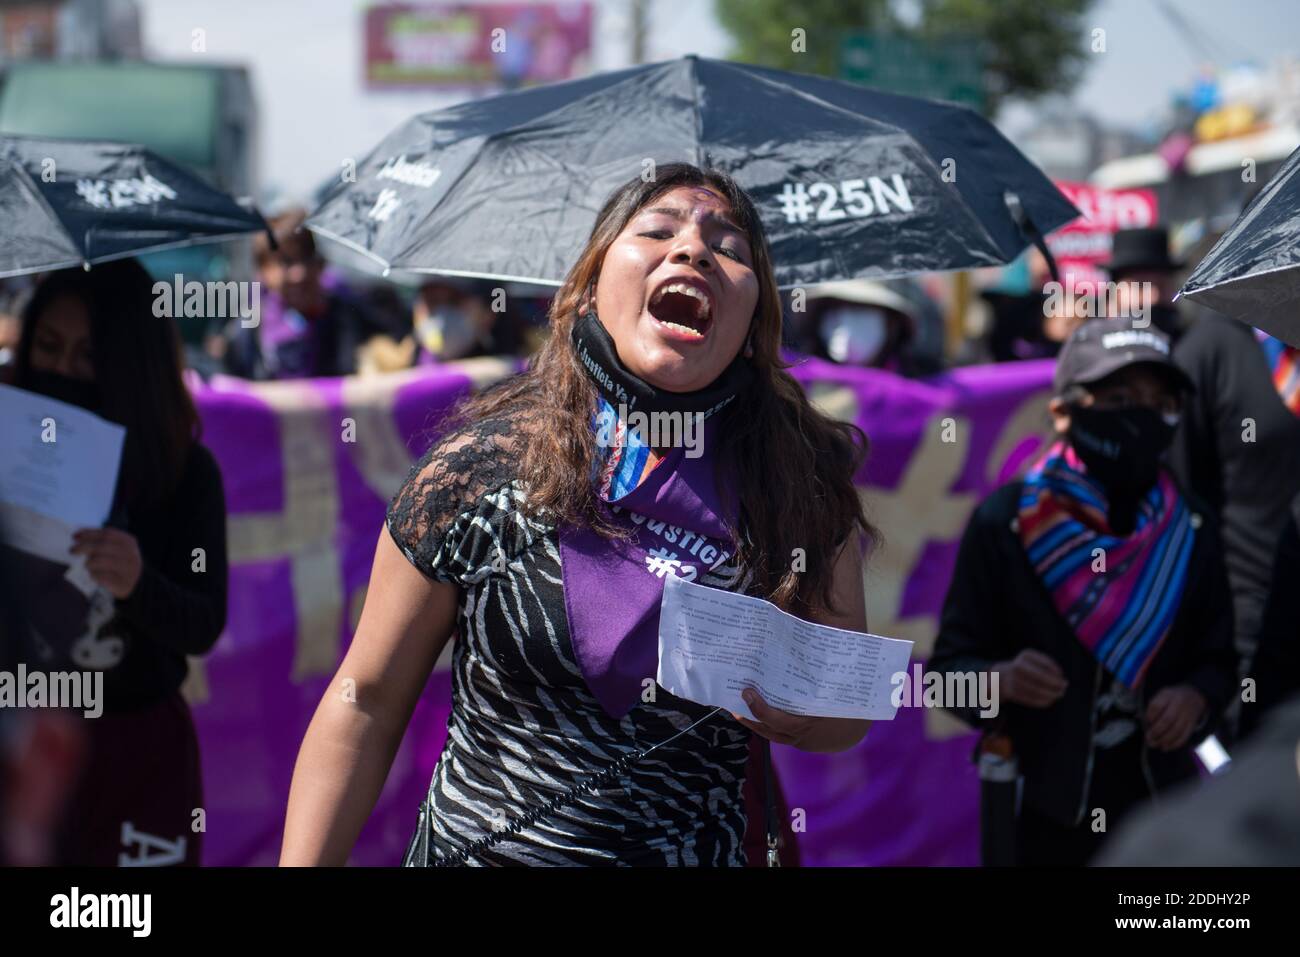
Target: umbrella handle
x,y
247,203
1031,232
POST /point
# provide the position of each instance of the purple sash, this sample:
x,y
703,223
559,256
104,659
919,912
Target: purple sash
x,y
612,590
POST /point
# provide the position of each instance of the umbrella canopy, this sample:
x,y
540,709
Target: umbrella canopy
x,y
76,202
1253,271
850,182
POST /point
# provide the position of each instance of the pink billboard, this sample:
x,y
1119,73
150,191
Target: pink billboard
x,y
492,45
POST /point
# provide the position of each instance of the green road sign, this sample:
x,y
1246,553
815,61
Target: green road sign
x,y
950,69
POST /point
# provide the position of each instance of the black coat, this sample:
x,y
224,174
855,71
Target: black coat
x,y
996,607
1248,485
1276,665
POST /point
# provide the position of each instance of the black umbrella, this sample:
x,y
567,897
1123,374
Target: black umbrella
x,y
851,182
76,202
1253,271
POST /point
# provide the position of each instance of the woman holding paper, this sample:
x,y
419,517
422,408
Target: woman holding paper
x,y
91,339
504,534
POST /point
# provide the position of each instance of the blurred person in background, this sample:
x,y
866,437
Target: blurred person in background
x,y
1275,667
864,323
307,328
1144,275
41,749
13,295
1062,315
1022,324
388,351
1095,589
91,339
1238,448
455,319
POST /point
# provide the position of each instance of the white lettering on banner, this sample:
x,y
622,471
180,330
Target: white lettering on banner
x,y
412,174
797,200
118,193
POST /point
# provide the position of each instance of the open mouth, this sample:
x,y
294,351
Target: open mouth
x,y
683,308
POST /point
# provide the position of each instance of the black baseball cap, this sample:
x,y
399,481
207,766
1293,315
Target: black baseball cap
x,y
1102,346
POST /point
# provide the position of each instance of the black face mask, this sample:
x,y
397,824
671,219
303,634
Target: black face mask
x,y
77,392
597,355
1121,448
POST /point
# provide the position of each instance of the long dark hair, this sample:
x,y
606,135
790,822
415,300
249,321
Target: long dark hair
x,y
792,466
137,361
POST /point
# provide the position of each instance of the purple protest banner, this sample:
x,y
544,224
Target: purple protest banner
x,y
909,794
309,467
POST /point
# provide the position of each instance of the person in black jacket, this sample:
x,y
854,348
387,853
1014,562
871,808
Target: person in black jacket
x,y
1238,448
91,339
1095,591
1275,666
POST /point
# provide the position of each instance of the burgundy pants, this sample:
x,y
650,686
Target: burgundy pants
x,y
134,805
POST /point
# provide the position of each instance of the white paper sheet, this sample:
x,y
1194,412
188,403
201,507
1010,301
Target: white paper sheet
x,y
49,489
713,644
71,478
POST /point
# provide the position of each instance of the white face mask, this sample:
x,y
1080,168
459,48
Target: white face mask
x,y
447,333
854,335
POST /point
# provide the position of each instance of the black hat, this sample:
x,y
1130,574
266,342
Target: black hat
x,y
1145,248
1102,346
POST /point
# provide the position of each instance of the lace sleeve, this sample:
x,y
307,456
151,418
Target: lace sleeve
x,y
443,516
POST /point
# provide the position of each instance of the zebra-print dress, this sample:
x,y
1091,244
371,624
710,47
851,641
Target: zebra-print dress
x,y
524,726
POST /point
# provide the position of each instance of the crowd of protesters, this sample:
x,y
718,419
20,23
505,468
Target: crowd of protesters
x,y
1174,456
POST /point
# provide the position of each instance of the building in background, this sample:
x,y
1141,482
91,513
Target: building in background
x,y
89,29
1229,131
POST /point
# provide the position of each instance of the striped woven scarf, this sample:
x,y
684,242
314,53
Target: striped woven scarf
x,y
623,463
1122,601
1284,362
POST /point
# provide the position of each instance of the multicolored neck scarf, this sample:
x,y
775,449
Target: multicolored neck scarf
x,y
678,519
1123,610
625,460
1284,363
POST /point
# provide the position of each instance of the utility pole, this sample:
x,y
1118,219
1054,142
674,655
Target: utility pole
x,y
638,16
